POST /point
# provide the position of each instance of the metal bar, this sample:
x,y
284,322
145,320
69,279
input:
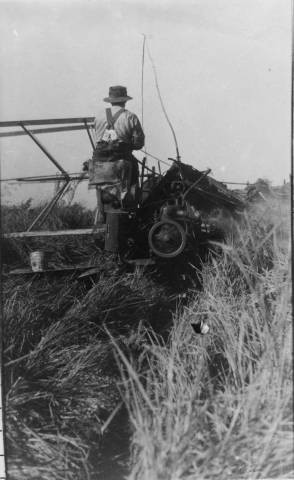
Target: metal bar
x,y
53,203
143,171
159,167
88,270
30,272
43,211
236,183
45,151
56,233
89,135
153,177
229,200
49,179
45,178
156,158
146,168
18,133
142,180
48,208
53,178
48,121
196,183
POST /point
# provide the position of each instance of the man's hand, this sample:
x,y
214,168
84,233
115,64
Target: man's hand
x,y
86,166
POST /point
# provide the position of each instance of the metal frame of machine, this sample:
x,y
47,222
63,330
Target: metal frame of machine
x,y
68,124
165,215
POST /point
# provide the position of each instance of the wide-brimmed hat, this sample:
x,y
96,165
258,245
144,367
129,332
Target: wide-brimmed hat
x,y
117,94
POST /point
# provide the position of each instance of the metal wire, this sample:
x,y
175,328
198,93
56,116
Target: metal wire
x,y
161,102
142,79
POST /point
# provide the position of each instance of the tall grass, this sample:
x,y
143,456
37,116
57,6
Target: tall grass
x,y
60,374
59,251
220,406
215,406
19,217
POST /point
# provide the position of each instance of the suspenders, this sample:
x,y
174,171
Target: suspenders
x,y
111,119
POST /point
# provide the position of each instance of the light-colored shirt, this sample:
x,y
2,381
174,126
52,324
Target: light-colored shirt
x,y
127,127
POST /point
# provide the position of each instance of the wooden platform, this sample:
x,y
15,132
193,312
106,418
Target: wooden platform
x,y
57,233
29,271
87,270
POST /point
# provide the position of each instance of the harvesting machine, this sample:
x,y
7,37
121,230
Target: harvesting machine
x,y
173,218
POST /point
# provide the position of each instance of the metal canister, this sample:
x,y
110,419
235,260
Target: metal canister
x,y
117,227
37,260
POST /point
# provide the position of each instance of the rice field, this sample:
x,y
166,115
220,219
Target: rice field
x,y
107,378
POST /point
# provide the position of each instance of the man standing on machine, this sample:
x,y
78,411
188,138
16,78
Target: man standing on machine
x,y
113,170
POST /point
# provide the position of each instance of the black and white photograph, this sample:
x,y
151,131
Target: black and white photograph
x,y
146,152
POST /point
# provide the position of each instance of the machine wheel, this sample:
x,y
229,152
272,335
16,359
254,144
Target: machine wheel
x,y
167,238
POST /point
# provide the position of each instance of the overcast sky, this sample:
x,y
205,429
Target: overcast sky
x,y
223,67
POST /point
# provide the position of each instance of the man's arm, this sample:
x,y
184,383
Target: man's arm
x,y
99,126
138,137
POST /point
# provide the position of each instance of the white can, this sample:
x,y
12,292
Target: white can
x,y
37,261
204,328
